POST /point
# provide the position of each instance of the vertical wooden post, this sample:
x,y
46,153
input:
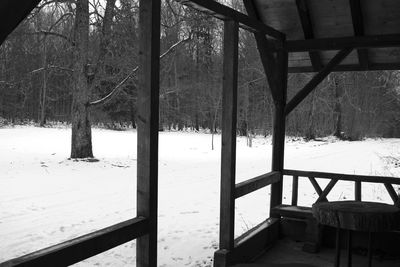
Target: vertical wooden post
x,y
228,148
278,137
147,144
295,190
357,190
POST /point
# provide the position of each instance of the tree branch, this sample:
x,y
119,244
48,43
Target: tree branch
x,y
51,67
54,34
117,88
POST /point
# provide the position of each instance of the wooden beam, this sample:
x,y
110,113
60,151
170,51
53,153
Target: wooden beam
x,y
358,27
392,193
295,189
328,188
306,24
351,67
316,187
344,177
317,79
12,13
278,135
266,53
256,183
256,241
228,148
358,191
147,132
226,13
338,43
249,245
83,247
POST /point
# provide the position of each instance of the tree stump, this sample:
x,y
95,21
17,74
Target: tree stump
x,y
358,216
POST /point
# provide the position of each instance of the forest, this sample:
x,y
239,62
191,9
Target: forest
x,y
75,62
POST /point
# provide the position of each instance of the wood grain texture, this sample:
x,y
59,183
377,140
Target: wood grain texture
x,y
279,120
358,27
256,183
358,216
336,19
228,147
147,128
307,25
83,247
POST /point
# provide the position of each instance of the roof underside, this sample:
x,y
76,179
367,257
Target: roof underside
x,y
314,19
12,12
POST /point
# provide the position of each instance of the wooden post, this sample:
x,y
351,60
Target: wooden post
x,y
357,190
147,145
295,189
278,137
228,149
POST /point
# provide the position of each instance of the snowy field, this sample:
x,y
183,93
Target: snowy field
x,y
46,198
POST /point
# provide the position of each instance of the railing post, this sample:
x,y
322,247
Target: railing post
x,y
147,133
278,137
357,190
295,190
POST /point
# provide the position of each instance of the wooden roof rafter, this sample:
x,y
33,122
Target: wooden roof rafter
x,y
317,79
337,43
306,24
224,12
358,27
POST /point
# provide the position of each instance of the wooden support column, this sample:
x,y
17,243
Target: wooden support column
x,y
278,137
228,149
147,144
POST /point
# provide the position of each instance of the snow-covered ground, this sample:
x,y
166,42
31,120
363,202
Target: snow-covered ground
x,y
46,198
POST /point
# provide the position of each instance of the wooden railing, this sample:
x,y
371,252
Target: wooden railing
x,y
388,182
254,240
83,247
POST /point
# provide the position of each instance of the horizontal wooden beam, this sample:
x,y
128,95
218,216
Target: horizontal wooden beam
x,y
256,183
350,67
343,177
293,211
226,13
249,245
80,248
338,43
317,79
255,241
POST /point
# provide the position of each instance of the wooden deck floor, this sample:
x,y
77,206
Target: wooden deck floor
x,y
288,253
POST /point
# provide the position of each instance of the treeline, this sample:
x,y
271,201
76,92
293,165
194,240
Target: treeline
x,y
37,76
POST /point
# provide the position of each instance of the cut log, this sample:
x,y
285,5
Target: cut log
x,y
358,216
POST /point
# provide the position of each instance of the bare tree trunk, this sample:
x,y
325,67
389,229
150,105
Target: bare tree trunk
x,y
338,108
310,135
42,119
81,146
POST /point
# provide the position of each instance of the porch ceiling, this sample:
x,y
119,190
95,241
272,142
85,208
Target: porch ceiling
x,y
12,12
316,19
